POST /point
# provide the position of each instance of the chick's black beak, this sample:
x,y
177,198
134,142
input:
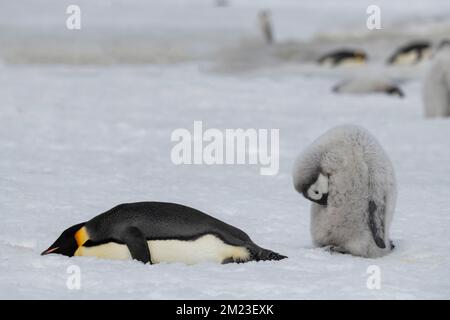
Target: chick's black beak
x,y
324,200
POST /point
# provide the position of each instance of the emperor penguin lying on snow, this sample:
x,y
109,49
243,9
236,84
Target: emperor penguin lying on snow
x,y
153,232
343,57
411,53
351,183
367,85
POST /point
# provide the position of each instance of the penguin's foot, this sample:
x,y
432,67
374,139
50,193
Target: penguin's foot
x,y
264,255
234,260
274,256
335,249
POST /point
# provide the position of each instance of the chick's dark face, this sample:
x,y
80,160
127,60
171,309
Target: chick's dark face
x,y
318,190
66,244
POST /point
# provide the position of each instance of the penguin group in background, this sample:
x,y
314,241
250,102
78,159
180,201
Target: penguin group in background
x,y
350,181
366,85
343,57
436,85
155,232
411,53
265,25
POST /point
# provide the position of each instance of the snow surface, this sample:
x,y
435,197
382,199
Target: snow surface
x,y
78,139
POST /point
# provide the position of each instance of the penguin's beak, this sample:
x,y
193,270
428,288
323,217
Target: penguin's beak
x,y
49,250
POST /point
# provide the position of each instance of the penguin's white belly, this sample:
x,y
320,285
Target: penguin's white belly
x,y
406,58
411,57
349,62
207,248
110,250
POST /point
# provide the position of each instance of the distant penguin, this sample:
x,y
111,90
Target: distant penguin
x,y
366,85
411,53
265,25
154,232
343,57
351,183
436,84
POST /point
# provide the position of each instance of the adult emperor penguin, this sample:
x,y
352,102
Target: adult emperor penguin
x,y
154,232
351,183
343,57
411,53
436,84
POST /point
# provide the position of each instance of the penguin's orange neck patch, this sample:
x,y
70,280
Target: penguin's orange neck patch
x,y
81,236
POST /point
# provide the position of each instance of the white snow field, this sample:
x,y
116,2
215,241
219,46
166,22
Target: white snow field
x,y
78,137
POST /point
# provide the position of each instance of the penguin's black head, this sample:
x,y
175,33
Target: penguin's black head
x,y
66,244
317,190
394,91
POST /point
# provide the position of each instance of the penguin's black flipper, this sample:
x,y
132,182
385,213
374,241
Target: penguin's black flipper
x,y
376,224
137,244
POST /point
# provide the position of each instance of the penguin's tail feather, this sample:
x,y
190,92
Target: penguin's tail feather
x,y
265,255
